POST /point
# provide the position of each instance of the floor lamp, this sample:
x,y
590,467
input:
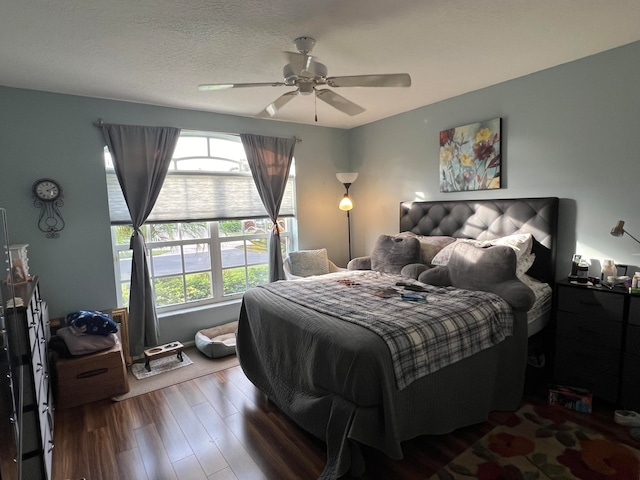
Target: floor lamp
x,y
346,204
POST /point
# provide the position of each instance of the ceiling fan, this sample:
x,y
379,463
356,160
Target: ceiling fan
x,y
306,74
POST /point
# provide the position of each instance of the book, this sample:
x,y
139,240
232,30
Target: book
x,y
413,297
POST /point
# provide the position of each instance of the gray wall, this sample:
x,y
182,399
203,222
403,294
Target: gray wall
x,y
50,135
570,131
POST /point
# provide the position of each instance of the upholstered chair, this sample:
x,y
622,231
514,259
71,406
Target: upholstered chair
x,y
306,263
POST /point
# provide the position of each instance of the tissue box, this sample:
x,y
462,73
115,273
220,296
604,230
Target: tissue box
x,y
577,399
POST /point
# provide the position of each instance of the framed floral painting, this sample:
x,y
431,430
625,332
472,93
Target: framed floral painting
x,y
470,157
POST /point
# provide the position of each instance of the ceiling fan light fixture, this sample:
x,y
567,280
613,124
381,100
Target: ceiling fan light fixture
x,y
304,44
289,75
305,88
317,69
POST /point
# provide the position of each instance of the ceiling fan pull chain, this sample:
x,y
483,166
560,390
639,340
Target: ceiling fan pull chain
x,y
315,105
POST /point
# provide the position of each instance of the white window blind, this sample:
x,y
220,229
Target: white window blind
x,y
196,196
209,180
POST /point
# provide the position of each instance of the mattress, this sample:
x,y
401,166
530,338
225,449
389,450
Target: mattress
x,y
540,313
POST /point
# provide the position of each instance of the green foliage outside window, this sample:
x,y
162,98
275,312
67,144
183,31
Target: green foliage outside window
x,y
235,281
198,286
230,227
169,291
125,288
258,275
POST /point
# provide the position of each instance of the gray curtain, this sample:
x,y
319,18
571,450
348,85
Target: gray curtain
x,y
141,158
270,161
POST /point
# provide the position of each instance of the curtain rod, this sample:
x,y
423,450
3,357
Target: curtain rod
x,y
99,123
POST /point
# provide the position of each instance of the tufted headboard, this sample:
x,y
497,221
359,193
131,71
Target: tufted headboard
x,y
489,219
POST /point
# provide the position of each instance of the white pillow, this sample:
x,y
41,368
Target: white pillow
x,y
305,263
520,242
444,255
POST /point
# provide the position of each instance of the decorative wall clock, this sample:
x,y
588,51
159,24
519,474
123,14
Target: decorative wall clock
x,y
47,193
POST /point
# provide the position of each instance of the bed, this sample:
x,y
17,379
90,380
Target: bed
x,y
339,381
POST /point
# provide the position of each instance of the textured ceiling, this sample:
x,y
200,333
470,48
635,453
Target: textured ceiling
x,y
159,51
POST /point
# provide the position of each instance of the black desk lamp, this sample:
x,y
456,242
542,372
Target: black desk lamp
x,y
619,231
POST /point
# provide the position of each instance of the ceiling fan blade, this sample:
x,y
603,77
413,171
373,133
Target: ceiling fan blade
x,y
339,102
382,80
301,64
273,108
226,86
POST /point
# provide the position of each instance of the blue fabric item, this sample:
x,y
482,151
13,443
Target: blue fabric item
x,y
90,322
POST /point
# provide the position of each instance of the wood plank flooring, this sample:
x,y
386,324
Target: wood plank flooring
x,y
220,427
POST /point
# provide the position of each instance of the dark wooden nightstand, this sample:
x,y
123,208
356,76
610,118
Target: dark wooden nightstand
x,y
630,392
598,342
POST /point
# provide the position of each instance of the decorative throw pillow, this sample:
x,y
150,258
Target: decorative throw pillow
x,y
443,256
413,270
524,263
438,276
490,269
305,263
391,253
521,243
429,245
359,263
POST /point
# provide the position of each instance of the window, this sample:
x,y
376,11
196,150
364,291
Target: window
x,y
207,235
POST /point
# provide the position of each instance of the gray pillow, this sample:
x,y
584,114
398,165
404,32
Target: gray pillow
x,y
390,254
429,245
359,263
413,270
490,269
438,276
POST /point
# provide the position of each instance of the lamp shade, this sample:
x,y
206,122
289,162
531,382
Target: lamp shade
x,y
618,230
345,204
347,177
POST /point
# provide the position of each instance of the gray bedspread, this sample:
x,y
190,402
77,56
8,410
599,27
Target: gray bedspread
x,y
336,380
422,337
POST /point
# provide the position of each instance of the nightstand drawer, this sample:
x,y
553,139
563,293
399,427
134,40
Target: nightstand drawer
x,y
589,330
634,310
593,303
600,384
630,395
589,359
632,344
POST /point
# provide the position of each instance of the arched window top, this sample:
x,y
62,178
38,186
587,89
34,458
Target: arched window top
x,y
212,152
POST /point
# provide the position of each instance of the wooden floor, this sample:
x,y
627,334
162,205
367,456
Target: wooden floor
x,y
220,427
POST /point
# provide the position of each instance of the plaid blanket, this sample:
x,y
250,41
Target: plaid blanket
x,y
422,336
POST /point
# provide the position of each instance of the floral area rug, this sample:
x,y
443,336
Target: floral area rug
x,y
538,444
